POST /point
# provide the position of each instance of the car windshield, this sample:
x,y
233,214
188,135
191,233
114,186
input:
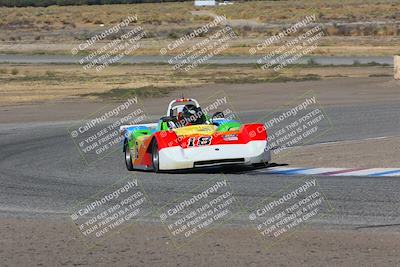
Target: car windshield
x,y
191,115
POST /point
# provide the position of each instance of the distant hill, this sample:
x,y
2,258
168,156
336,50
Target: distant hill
x,y
45,3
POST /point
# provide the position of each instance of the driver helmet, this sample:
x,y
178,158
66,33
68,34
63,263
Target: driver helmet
x,y
192,115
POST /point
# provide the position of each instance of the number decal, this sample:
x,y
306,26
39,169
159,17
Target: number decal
x,y
201,141
204,141
191,141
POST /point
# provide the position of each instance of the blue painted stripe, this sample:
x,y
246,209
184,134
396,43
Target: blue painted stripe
x,y
384,173
293,171
304,172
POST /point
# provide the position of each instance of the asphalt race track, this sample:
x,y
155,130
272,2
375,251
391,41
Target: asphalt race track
x,y
43,175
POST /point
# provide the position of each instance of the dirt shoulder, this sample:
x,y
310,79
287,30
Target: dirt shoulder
x,y
43,83
339,91
55,243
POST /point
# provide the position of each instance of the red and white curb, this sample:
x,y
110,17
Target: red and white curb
x,y
376,172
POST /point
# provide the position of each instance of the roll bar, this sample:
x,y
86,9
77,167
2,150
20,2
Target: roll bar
x,y
180,100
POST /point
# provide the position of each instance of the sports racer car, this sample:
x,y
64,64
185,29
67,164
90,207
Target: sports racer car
x,y
187,137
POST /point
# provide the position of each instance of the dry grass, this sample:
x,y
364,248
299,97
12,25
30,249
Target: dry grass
x,y
326,10
66,26
179,13
84,16
330,46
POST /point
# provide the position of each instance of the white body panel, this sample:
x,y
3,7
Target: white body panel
x,y
173,158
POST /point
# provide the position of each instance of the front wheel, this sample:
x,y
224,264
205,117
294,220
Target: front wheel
x,y
155,157
128,157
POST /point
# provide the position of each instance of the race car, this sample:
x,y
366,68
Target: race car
x,y
188,137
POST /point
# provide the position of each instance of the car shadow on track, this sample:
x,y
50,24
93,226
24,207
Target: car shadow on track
x,y
228,169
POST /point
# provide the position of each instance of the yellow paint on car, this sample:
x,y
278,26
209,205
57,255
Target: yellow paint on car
x,y
196,130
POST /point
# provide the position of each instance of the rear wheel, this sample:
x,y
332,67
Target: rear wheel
x,y
128,157
155,157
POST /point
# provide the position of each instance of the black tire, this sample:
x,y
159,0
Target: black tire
x,y
128,157
155,159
